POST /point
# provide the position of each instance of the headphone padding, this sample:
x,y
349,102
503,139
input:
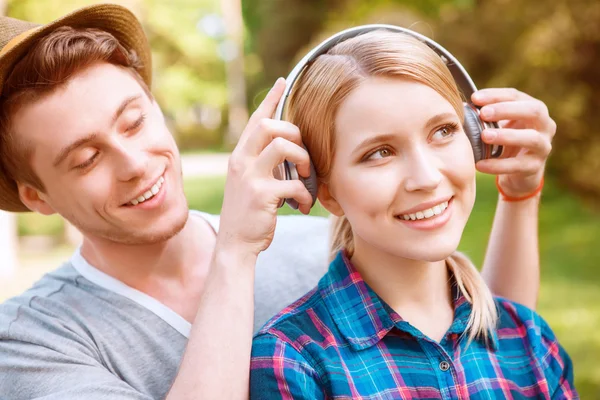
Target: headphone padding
x,y
311,183
473,128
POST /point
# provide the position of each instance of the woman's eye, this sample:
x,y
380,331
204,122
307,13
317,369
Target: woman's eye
x,y
445,131
379,154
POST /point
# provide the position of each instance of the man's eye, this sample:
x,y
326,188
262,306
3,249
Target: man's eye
x,y
445,131
137,123
87,163
379,154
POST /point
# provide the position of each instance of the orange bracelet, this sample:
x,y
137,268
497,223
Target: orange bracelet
x,y
506,197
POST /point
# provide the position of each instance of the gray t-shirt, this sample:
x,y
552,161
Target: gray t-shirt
x,y
81,334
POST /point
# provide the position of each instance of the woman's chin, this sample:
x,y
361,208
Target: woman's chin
x,y
430,253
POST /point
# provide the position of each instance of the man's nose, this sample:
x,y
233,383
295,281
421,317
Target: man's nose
x,y
132,161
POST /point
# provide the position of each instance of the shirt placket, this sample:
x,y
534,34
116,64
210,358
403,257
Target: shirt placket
x,y
438,354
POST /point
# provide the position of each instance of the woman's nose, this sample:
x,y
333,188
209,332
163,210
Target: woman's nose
x,y
423,172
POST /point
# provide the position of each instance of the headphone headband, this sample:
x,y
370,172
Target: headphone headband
x,y
473,125
460,75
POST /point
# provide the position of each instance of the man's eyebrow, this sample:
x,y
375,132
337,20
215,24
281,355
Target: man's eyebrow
x,y
65,151
123,106
80,142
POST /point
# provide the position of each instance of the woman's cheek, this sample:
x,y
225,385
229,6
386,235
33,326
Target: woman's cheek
x,y
369,188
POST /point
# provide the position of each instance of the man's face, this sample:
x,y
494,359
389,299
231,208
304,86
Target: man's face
x,y
100,145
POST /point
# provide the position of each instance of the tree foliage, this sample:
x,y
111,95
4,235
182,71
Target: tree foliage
x,y
189,76
551,52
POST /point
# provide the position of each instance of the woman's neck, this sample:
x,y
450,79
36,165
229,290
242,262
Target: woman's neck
x,y
419,291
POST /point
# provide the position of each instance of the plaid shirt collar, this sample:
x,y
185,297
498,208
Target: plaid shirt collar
x,y
364,319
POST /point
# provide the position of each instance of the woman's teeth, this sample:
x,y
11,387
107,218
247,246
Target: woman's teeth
x,y
149,194
430,212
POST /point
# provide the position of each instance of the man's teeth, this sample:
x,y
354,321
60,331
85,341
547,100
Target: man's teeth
x,y
150,193
430,212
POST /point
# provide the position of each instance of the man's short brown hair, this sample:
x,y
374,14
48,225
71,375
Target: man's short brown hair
x,y
49,65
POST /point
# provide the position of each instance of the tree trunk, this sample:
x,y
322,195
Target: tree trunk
x,y
236,80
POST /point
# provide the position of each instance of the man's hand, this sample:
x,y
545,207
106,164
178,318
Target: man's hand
x,y
526,131
252,193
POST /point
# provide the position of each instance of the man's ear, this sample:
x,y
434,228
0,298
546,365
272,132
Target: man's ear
x,y
328,201
34,199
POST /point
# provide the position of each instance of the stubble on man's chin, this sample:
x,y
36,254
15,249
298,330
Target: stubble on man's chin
x,y
151,238
138,237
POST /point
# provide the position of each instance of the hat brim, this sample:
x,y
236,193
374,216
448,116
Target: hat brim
x,y
112,18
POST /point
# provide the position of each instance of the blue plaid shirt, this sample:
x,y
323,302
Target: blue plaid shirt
x,y
341,341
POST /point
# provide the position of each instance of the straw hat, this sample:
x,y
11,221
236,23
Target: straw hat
x,y
17,37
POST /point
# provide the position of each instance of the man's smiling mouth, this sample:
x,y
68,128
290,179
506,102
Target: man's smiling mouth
x,y
148,194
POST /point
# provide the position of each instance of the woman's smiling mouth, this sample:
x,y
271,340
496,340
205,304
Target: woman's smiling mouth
x,y
429,218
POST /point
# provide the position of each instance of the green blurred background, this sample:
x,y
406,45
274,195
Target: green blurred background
x,y
215,59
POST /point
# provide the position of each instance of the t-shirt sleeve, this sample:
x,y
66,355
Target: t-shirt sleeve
x,y
278,371
291,266
33,371
45,356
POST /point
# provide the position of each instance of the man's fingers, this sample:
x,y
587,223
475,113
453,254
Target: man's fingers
x,y
293,189
267,107
265,110
526,138
266,130
279,150
497,95
524,165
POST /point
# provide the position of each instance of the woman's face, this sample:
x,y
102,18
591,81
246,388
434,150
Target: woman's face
x,y
404,171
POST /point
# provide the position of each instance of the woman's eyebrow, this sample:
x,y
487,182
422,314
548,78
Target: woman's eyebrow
x,y
386,137
436,119
370,141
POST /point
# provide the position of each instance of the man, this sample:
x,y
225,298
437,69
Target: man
x,y
159,301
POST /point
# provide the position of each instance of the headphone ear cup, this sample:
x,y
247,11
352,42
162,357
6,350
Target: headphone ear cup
x,y
473,128
310,183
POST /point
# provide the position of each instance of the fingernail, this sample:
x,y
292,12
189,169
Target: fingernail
x,y
275,84
478,96
487,112
490,134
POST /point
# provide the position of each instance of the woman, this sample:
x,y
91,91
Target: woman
x,y
400,314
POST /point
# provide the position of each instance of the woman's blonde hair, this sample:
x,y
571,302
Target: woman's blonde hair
x,y
313,105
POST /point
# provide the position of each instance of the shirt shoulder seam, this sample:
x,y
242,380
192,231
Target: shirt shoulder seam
x,y
301,351
18,314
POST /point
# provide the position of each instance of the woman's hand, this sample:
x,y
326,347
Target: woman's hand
x,y
526,132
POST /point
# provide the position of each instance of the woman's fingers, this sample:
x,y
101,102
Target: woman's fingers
x,y
534,112
513,165
497,95
529,139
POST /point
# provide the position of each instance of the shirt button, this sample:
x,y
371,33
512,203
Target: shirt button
x,y
444,366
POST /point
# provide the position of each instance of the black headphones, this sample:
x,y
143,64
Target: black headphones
x,y
473,124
